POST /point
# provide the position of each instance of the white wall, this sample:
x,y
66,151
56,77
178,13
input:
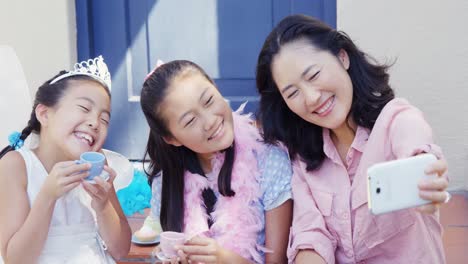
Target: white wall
x,y
429,40
43,34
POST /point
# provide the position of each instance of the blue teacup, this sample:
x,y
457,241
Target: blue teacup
x,y
96,160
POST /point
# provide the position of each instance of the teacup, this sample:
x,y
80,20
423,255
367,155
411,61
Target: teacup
x,y
167,242
96,160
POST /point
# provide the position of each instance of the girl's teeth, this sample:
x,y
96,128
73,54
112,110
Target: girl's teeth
x,y
87,138
217,132
325,107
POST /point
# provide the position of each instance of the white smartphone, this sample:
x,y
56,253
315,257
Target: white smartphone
x,y
393,185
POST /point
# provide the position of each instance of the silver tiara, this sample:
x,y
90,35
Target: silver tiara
x,y
95,68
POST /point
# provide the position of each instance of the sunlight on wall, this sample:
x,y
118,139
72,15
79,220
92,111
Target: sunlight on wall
x,y
428,41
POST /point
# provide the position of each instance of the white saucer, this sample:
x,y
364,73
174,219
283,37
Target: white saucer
x,y
145,243
160,255
104,175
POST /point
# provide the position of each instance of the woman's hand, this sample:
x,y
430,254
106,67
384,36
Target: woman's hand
x,y
434,189
99,192
64,177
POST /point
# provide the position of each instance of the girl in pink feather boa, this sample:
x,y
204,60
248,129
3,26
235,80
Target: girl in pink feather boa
x,y
212,177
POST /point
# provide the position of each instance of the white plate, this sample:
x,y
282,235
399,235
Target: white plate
x,y
138,242
160,255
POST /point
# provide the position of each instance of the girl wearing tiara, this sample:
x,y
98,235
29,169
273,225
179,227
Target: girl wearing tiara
x,y
48,213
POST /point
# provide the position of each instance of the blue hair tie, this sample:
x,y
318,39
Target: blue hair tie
x,y
15,140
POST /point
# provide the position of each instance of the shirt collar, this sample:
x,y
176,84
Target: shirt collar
x,y
360,140
359,143
329,148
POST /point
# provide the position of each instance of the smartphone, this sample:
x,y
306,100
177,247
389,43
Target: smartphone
x,y
393,185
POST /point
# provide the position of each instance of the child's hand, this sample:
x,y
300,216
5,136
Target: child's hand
x,y
202,249
434,189
64,177
99,192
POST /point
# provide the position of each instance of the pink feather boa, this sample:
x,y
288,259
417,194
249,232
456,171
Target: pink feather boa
x,y
237,220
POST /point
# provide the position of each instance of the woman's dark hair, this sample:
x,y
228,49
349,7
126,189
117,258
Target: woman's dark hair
x,y
49,95
173,161
371,90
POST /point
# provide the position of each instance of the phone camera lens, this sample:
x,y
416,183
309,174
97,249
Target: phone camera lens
x,y
378,190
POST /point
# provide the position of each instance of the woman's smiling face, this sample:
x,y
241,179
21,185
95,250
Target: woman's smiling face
x,y
314,83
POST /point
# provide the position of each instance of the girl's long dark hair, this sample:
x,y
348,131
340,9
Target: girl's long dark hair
x,y
49,95
173,161
371,90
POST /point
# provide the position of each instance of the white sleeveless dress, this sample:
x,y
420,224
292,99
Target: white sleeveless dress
x,y
73,236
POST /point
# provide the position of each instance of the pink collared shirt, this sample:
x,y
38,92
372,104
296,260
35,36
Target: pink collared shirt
x,y
330,204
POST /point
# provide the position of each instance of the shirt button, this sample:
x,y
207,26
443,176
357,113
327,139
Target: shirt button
x,y
345,215
349,253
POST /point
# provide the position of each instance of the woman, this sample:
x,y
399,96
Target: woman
x,y
333,108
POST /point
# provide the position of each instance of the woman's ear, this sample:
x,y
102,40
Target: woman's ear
x,y
344,58
42,114
172,141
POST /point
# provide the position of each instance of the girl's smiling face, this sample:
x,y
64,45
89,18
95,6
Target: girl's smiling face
x,y
196,114
80,120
